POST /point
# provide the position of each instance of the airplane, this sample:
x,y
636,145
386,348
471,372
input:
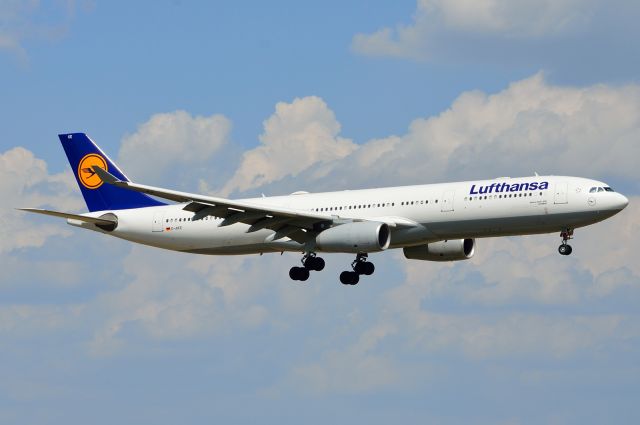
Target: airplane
x,y
432,222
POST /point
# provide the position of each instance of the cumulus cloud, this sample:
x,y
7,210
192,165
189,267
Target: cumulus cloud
x,y
173,296
172,140
531,126
298,135
435,20
26,182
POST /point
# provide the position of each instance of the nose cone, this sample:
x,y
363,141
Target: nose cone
x,y
621,202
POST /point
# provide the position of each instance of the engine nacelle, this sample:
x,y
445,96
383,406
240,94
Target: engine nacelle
x,y
447,250
362,236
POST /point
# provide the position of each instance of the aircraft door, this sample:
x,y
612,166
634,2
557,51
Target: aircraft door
x,y
447,201
158,222
560,195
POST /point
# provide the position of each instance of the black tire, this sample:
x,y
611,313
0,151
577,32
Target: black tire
x,y
314,263
303,274
569,250
349,278
293,273
564,249
359,267
318,264
345,278
368,268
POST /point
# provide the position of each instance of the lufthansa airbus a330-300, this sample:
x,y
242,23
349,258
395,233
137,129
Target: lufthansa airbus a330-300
x,y
434,222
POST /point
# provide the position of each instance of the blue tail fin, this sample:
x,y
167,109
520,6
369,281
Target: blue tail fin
x,y
83,154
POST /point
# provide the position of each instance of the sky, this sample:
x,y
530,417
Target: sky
x,y
248,97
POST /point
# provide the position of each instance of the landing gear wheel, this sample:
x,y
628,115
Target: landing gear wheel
x,y
304,274
349,278
364,267
368,268
299,273
565,249
314,263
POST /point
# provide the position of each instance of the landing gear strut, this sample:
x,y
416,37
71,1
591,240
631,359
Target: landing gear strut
x,y
310,262
360,267
565,248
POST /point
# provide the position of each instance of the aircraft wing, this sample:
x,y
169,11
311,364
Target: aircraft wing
x,y
285,221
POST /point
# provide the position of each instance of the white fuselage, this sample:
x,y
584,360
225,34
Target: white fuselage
x,y
416,214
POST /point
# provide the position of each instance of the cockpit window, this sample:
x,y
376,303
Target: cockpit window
x,y
600,189
608,189
593,190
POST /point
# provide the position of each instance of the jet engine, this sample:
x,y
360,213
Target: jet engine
x,y
447,250
358,237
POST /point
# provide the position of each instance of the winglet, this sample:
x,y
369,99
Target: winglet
x,y
105,176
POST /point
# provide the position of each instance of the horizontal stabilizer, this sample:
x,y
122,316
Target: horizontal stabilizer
x,y
94,220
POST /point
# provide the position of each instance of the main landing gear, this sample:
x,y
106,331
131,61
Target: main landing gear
x,y
310,262
360,267
565,248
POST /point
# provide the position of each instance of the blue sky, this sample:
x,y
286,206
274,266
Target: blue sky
x,y
242,98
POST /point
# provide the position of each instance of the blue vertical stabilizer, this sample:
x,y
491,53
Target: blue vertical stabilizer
x,y
83,154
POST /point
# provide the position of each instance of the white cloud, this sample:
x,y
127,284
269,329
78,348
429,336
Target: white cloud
x,y
175,296
172,140
532,18
25,182
434,20
529,126
298,135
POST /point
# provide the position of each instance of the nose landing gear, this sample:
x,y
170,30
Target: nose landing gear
x,y
360,267
310,263
565,248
